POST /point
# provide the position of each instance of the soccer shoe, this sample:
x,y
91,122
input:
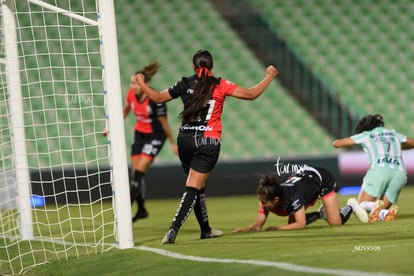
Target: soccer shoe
x,y
392,213
359,212
169,237
214,233
322,213
374,215
140,215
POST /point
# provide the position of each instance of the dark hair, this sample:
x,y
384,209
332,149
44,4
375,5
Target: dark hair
x,y
149,70
203,88
369,122
268,187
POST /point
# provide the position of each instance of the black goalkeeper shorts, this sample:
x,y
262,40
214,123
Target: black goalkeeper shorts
x,y
147,144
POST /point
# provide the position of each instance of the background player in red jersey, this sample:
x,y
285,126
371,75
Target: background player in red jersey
x,y
151,131
199,142
298,192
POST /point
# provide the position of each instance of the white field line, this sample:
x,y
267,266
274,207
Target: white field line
x,y
280,265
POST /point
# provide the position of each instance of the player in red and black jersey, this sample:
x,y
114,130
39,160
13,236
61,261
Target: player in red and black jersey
x,y
292,197
198,141
151,131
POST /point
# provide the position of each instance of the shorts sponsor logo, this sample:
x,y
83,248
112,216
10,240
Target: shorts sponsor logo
x,y
296,205
156,142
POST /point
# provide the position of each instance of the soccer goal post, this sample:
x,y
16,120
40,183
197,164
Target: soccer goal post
x,y
64,188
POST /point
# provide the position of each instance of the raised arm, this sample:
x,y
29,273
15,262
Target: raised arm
x,y
158,97
254,92
344,142
409,144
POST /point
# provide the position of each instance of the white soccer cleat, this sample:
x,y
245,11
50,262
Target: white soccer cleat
x,y
214,233
359,212
169,237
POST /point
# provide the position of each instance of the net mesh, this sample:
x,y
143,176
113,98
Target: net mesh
x,y
63,109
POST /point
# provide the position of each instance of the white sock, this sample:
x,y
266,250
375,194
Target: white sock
x,y
368,205
382,214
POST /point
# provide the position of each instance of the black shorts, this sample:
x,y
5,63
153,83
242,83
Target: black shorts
x,y
328,183
147,144
197,152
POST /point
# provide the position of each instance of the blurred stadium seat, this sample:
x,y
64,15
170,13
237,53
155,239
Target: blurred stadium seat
x,y
274,125
363,49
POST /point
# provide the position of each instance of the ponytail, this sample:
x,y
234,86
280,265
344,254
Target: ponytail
x,y
268,187
149,71
203,89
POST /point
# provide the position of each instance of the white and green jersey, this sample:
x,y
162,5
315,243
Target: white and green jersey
x,y
383,147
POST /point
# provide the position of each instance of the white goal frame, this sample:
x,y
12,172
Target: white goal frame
x,y
113,106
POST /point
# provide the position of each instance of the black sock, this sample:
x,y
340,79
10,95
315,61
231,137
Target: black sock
x,y
137,191
200,210
185,208
345,213
312,217
141,206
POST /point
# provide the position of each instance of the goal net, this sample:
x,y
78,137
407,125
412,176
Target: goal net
x,y
62,183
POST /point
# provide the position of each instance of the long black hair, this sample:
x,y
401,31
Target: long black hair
x,y
369,122
268,187
203,89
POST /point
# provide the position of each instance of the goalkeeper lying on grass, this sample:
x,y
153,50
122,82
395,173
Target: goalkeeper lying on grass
x,y
296,194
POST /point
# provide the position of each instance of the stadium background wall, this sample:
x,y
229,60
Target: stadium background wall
x,y
167,181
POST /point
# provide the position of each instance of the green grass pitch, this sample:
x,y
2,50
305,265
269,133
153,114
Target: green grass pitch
x,y
353,249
